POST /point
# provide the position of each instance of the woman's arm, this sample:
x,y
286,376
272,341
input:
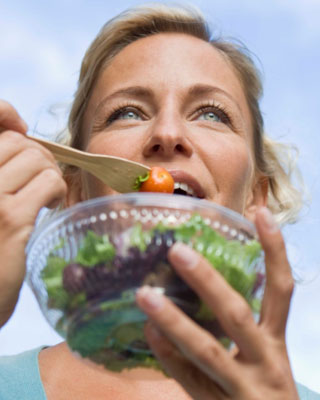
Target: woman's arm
x,y
259,367
29,180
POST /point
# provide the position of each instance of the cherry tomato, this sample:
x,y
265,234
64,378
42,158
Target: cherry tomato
x,y
159,181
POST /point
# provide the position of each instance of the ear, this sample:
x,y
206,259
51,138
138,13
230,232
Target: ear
x,y
73,180
257,198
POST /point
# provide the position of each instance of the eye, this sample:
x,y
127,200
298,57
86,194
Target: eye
x,y
209,116
124,113
129,114
212,114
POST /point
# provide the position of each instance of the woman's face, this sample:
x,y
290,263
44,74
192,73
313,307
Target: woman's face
x,y
172,100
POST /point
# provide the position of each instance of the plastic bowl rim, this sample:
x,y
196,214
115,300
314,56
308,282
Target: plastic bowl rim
x,y
147,199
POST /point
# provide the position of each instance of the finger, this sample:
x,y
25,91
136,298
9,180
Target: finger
x,y
279,280
47,188
10,119
229,307
12,143
196,383
14,174
195,343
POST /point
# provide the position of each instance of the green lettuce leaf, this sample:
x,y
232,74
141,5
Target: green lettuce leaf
x,y
230,257
52,278
140,238
95,249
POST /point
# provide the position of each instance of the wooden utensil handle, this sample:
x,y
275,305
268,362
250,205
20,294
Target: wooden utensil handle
x,y
64,154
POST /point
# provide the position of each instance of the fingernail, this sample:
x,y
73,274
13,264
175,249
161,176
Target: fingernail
x,y
269,222
151,298
184,255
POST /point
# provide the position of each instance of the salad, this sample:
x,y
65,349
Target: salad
x,y
96,290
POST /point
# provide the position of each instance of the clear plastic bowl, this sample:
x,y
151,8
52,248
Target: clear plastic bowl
x,y
85,264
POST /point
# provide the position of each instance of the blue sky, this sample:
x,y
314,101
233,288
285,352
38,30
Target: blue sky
x,y
41,46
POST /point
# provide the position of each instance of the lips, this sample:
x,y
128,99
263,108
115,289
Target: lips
x,y
187,183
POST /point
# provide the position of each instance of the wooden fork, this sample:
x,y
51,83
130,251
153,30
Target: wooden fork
x,y
118,173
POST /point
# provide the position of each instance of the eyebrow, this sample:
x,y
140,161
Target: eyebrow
x,y
144,93
139,92
199,90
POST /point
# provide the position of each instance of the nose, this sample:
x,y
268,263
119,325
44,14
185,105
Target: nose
x,y
167,138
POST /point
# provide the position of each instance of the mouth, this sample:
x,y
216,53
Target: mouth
x,y
186,185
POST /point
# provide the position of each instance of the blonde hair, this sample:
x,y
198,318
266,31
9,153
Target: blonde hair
x,y
271,158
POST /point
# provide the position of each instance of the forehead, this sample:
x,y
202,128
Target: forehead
x,y
170,61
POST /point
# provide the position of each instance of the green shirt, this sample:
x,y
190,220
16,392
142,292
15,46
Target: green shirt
x,y
20,378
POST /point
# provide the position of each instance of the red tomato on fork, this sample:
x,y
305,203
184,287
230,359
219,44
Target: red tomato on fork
x,y
159,180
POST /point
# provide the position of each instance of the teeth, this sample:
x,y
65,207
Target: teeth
x,y
186,188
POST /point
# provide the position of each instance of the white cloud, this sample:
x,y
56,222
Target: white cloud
x,y
36,71
45,57
304,14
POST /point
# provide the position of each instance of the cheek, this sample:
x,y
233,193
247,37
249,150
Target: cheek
x,y
114,144
232,170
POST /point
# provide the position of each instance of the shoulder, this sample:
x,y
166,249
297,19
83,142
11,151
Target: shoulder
x,y
20,376
307,394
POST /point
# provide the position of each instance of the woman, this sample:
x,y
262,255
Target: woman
x,y
154,88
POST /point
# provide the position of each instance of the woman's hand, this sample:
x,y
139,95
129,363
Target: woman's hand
x,y
29,180
259,367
